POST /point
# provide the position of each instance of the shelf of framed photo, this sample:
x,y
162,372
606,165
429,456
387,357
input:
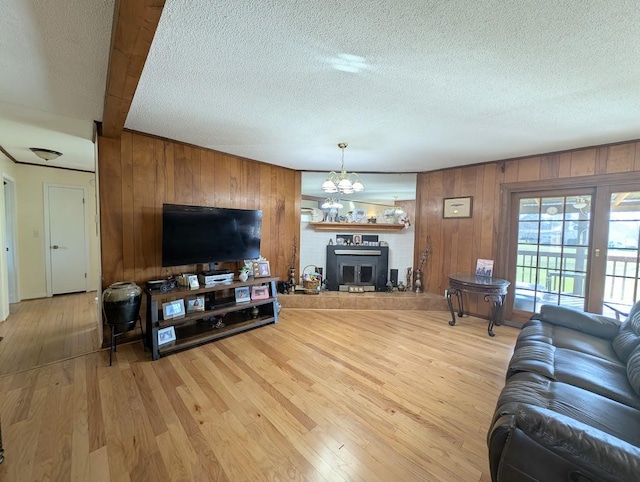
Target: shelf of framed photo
x,y
183,318
198,332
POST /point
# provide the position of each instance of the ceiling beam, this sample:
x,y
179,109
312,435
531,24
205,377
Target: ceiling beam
x,y
134,25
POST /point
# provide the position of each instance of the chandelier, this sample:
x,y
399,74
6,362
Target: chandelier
x,y
342,182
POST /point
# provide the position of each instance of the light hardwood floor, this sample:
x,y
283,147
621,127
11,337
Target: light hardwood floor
x,y
324,395
47,330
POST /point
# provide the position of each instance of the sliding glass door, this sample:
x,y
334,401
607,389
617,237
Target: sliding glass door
x,y
622,260
575,247
552,250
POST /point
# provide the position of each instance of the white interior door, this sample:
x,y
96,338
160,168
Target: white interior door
x,y
67,239
10,238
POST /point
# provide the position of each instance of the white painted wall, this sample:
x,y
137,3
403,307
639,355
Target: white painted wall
x,y
9,168
31,236
313,245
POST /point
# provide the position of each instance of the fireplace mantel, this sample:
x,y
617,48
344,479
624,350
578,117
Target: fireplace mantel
x,y
355,227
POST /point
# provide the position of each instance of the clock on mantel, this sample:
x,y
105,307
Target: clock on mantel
x,y
323,226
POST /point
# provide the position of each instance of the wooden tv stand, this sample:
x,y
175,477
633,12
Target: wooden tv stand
x,y
198,327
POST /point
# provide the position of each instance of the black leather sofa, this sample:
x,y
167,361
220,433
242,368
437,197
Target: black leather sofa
x,y
570,407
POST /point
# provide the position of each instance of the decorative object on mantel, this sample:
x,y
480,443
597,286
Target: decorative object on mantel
x,y
332,202
311,280
333,226
401,286
426,253
292,265
342,182
409,278
418,282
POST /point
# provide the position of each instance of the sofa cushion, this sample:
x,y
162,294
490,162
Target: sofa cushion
x,y
581,321
598,375
562,337
628,338
633,370
614,418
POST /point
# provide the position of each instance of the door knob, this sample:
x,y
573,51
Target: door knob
x,y
55,246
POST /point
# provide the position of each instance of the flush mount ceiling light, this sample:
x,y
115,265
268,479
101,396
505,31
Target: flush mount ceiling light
x,y
45,154
342,182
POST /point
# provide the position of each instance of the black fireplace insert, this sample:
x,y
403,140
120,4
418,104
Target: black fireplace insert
x,y
362,266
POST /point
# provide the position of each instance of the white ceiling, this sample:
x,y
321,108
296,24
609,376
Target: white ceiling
x,y
411,85
54,57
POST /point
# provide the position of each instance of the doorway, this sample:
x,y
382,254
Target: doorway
x,y
574,247
11,245
66,240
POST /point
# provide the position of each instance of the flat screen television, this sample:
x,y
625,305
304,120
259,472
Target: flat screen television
x,y
200,234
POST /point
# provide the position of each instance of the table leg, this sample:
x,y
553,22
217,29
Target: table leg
x,y
450,292
460,303
496,312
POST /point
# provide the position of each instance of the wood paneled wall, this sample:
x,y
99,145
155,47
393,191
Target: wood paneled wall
x,y
458,243
138,173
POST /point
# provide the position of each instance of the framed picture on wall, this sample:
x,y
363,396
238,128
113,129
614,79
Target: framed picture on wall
x,y
457,207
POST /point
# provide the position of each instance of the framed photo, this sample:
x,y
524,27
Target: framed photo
x,y
259,292
193,281
166,335
484,267
195,304
261,269
173,309
357,239
359,216
457,207
243,294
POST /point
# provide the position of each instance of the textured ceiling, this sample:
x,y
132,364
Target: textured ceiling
x,y
410,85
54,56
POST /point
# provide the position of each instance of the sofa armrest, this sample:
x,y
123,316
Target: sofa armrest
x,y
590,323
580,444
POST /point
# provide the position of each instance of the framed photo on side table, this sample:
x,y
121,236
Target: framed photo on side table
x,y
259,292
484,267
243,294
